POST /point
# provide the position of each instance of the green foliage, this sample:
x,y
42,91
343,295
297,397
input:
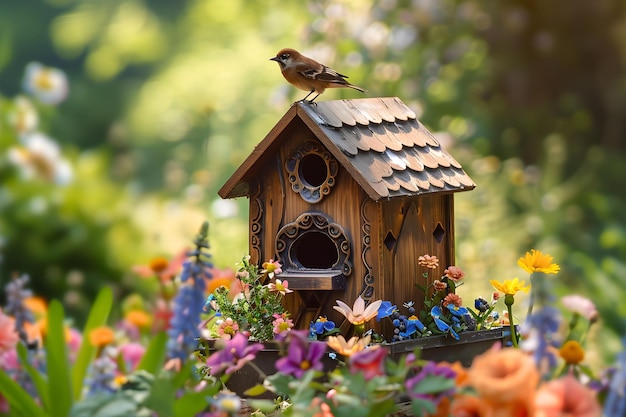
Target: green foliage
x,y
57,363
98,316
255,307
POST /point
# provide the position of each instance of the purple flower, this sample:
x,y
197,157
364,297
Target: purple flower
x,y
233,356
433,382
302,355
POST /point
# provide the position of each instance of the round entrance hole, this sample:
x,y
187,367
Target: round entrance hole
x,y
314,250
313,170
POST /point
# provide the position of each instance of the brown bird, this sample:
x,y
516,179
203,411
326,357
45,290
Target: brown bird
x,y
309,75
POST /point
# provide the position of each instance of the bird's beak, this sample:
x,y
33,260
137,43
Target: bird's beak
x,y
275,59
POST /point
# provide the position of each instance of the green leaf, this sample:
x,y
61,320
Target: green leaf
x,y
422,407
152,360
39,380
60,386
20,401
98,316
161,398
105,405
191,403
255,391
280,382
265,406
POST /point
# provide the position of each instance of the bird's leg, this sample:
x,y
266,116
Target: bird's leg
x,y
307,96
311,101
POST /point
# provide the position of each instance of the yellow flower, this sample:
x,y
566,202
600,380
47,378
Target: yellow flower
x,y
358,314
572,352
535,261
350,347
510,286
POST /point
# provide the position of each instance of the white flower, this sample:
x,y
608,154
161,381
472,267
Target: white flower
x,y
40,157
358,314
48,85
23,117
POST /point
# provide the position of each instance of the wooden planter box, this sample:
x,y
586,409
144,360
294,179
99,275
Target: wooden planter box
x,y
435,348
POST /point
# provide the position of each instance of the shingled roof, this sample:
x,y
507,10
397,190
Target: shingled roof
x,y
379,141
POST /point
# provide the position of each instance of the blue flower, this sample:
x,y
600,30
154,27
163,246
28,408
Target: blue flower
x,y
412,326
322,326
457,311
189,302
545,323
615,403
386,309
481,304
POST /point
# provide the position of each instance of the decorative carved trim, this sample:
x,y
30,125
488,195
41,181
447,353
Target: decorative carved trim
x,y
313,222
256,222
312,193
368,278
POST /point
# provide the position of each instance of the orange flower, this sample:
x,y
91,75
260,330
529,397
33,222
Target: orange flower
x,y
566,397
428,261
572,352
453,299
439,285
469,406
37,306
349,347
101,336
443,408
506,379
158,264
139,318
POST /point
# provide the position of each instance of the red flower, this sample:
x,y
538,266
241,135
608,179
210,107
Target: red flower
x,y
369,361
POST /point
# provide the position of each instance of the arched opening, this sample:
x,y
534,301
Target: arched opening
x,y
313,170
314,250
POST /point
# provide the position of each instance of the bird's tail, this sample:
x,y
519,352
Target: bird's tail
x,y
356,87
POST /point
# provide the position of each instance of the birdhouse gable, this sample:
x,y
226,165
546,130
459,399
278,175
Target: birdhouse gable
x,y
379,142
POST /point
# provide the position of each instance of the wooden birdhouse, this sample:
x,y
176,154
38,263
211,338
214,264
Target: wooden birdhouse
x,y
347,194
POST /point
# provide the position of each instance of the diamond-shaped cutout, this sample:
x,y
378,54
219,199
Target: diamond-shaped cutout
x,y
390,240
439,233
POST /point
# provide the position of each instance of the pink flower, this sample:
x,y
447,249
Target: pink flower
x,y
279,286
132,353
272,268
566,397
454,273
282,325
8,335
227,329
581,305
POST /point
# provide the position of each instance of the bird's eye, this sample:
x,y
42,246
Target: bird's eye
x,y
284,56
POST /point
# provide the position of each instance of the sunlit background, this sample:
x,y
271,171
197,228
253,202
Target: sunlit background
x,y
166,98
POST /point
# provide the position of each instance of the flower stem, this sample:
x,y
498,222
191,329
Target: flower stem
x,y
531,302
508,301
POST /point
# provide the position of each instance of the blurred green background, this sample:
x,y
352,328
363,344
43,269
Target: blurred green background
x,y
167,98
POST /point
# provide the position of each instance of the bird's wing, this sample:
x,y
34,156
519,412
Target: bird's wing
x,y
322,73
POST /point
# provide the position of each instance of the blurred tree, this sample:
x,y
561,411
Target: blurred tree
x,y
172,96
